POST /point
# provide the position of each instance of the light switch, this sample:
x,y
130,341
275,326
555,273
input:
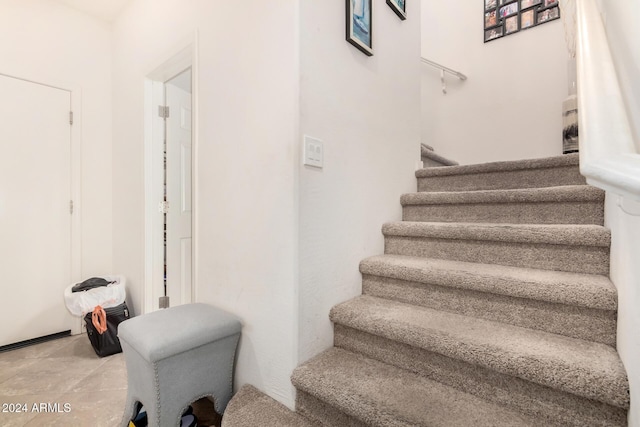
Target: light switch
x,y
313,152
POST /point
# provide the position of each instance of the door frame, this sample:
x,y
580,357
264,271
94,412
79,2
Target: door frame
x,y
75,178
173,64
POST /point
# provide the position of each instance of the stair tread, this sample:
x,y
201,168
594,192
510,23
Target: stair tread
x,y
382,395
584,368
584,290
553,234
250,407
565,193
548,162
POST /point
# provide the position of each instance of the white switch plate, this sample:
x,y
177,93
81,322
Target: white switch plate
x,y
313,152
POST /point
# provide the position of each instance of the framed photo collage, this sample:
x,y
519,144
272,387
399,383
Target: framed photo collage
x,y
504,17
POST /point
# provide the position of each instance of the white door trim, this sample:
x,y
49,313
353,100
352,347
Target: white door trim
x,y
76,193
178,61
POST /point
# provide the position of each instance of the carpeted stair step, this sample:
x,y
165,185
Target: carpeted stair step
x,y
572,304
573,248
571,204
250,408
534,173
340,388
563,380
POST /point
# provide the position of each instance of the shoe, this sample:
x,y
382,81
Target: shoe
x,y
189,421
140,419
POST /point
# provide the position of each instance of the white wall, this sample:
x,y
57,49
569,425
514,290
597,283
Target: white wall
x,y
623,34
367,112
510,107
624,41
50,43
246,203
625,274
620,18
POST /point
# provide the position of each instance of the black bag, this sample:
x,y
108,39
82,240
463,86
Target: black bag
x,y
94,282
107,343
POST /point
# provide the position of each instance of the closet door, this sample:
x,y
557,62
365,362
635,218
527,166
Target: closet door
x,y
179,188
35,217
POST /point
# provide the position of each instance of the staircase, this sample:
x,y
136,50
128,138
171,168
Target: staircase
x,y
490,307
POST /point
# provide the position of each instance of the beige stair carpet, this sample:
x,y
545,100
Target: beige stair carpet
x,y
490,306
251,408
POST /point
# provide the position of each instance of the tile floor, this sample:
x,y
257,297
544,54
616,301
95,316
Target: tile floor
x,y
88,390
63,371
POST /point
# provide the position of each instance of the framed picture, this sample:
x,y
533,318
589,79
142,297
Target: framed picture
x,y
359,28
528,3
511,16
399,7
492,34
509,9
527,19
548,14
511,24
490,19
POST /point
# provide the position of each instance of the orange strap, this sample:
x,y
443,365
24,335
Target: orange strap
x,y
99,319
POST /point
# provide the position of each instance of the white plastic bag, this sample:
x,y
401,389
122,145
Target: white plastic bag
x,y
81,303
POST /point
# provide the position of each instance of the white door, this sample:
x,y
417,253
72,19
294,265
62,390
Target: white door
x,y
35,218
178,189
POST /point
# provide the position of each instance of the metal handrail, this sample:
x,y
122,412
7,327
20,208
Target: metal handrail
x,y
458,74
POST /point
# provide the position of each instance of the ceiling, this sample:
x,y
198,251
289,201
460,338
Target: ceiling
x,y
106,10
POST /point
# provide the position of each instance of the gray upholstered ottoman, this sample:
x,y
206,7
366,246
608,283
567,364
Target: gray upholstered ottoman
x,y
176,356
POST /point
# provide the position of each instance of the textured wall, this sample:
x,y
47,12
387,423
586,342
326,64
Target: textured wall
x,y
625,274
246,210
510,107
620,19
50,43
366,111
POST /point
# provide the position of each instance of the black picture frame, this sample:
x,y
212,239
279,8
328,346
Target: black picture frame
x,y
490,18
547,15
399,7
509,9
511,24
527,19
525,4
359,25
493,33
506,17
